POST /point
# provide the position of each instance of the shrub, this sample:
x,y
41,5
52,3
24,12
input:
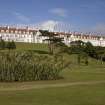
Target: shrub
x,y
11,45
2,44
27,66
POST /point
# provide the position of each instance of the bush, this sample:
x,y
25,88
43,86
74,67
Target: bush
x,y
11,45
2,44
28,67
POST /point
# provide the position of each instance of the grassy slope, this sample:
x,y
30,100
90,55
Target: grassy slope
x,y
95,70
72,95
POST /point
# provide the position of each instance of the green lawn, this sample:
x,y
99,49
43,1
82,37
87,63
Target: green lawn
x,y
73,95
90,94
94,71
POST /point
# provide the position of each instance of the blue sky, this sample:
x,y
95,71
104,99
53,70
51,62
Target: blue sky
x,y
81,15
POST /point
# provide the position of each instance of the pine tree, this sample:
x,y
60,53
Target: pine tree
x,y
89,49
52,38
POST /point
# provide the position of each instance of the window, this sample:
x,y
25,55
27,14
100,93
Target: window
x,y
27,32
16,32
19,32
2,30
7,31
11,31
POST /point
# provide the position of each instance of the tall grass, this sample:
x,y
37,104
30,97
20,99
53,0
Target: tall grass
x,y
27,66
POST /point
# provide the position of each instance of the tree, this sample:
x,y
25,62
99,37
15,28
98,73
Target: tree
x,y
11,45
100,54
82,58
52,38
47,35
8,46
89,49
77,46
2,44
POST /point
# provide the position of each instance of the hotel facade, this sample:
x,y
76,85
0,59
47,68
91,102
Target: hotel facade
x,y
30,35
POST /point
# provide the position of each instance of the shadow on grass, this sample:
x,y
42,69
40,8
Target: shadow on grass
x,y
39,51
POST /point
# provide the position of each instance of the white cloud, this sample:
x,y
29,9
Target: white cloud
x,y
48,25
61,26
21,17
59,11
57,26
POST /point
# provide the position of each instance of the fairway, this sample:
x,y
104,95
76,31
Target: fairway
x,y
71,95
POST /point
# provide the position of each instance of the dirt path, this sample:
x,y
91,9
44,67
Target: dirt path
x,y
41,86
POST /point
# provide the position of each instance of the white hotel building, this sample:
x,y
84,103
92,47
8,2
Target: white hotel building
x,y
30,35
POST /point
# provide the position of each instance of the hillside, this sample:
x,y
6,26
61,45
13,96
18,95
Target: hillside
x,y
79,85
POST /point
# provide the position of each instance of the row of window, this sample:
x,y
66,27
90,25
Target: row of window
x,y
16,35
19,32
89,38
18,39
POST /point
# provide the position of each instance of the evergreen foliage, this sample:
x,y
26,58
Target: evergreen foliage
x,y
52,38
